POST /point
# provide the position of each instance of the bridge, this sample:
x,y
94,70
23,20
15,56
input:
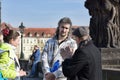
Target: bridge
x,y
110,65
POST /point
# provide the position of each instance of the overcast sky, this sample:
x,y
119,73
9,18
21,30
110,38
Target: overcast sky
x,y
43,13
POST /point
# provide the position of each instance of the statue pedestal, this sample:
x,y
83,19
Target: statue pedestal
x,y
111,63
110,57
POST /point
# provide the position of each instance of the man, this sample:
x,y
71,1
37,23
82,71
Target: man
x,y
85,64
51,52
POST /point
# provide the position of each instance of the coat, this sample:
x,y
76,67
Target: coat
x,y
7,62
51,54
85,64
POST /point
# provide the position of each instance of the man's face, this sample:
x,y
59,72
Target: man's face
x,y
64,30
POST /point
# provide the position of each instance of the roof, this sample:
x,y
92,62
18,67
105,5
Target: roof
x,y
39,31
35,32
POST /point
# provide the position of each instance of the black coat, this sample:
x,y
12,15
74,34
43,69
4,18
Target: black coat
x,y
85,63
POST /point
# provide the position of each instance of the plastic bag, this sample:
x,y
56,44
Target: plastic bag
x,y
55,66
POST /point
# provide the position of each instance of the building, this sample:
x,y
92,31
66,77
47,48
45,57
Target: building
x,y
36,36
33,36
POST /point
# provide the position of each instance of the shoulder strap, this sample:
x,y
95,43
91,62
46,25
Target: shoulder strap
x,y
2,51
5,66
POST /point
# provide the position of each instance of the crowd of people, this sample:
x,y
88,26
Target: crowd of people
x,y
63,57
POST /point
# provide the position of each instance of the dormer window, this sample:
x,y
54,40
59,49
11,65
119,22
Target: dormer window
x,y
29,34
36,34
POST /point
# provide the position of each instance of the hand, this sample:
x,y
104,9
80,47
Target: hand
x,y
22,73
67,52
49,76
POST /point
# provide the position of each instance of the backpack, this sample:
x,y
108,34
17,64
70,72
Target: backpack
x,y
1,77
2,51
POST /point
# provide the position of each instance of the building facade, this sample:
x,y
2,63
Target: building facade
x,y
35,36
31,37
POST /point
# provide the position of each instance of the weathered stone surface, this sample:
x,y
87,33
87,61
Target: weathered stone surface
x,y
111,74
110,57
104,22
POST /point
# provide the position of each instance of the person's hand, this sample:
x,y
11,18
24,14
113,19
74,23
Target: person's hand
x,y
49,76
22,73
66,52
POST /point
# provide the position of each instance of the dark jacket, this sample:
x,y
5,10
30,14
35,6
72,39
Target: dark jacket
x,y
85,63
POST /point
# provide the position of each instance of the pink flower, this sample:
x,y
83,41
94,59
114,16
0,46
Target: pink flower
x,y
5,32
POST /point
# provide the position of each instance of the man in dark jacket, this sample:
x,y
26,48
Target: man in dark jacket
x,y
85,64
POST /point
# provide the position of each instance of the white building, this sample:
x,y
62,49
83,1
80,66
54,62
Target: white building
x,y
34,36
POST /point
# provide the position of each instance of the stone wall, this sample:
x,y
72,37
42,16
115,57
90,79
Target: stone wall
x,y
111,74
110,57
110,63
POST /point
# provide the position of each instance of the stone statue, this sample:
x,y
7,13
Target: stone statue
x,y
104,22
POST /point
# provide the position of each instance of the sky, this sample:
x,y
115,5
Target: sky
x,y
43,13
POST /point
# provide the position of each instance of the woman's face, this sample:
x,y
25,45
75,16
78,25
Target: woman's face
x,y
1,38
15,42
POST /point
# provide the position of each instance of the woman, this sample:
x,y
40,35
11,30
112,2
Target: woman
x,y
36,59
9,64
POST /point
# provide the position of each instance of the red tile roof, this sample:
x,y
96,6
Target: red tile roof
x,y
40,31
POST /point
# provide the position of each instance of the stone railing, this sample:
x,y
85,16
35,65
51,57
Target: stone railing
x,y
110,58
